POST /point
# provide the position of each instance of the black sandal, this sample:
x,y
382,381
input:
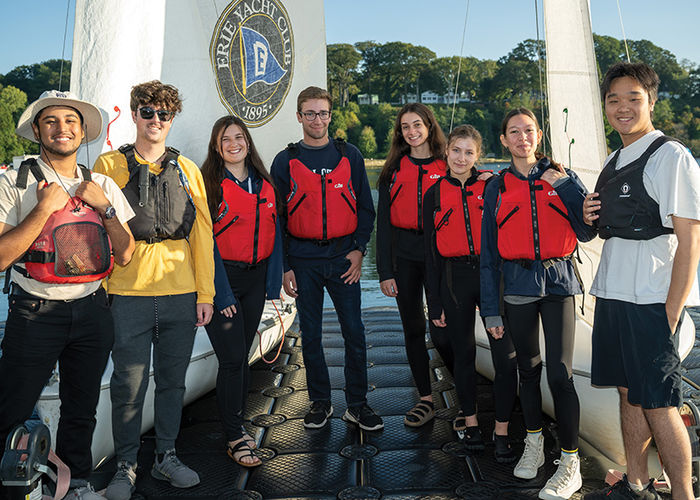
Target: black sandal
x,y
243,450
421,414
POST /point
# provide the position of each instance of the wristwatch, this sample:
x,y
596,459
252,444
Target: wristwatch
x,y
110,213
362,249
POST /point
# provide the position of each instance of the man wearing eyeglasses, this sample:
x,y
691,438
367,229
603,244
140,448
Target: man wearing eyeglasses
x,y
327,223
164,293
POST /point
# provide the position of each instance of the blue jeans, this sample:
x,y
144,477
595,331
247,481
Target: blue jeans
x,y
312,276
168,324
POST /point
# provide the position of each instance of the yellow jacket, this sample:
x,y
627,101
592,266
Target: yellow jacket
x,y
169,267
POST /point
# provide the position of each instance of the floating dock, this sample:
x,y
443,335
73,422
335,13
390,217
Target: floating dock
x,y
340,461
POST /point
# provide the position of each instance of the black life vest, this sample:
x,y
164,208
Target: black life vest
x,y
320,207
457,216
626,209
73,246
407,188
533,222
244,227
162,203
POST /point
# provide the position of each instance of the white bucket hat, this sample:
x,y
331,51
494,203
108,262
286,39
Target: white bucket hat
x,y
92,118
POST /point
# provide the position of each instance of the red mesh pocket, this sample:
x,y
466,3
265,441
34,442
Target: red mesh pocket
x,y
82,248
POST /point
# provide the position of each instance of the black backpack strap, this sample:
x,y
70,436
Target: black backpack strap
x,y
293,150
340,145
170,159
502,182
29,165
136,169
87,175
437,194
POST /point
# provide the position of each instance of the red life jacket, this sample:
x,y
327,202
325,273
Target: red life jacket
x,y
408,186
457,216
244,227
73,246
533,223
321,206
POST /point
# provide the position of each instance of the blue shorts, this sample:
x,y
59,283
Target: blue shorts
x,y
633,347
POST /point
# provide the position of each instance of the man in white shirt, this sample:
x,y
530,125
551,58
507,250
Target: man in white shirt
x,y
647,208
58,308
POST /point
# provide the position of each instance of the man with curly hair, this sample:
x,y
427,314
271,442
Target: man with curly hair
x,y
164,293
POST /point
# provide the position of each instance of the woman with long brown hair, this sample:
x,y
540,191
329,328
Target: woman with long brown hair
x,y
248,259
415,162
533,218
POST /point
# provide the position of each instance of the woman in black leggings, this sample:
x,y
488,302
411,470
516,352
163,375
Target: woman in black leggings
x,y
532,220
452,227
248,261
415,162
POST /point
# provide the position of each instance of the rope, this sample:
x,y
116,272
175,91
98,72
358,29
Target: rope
x,y
63,50
459,66
539,72
624,37
279,349
570,139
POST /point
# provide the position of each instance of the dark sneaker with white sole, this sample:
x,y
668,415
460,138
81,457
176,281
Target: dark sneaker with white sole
x,y
365,417
621,490
318,415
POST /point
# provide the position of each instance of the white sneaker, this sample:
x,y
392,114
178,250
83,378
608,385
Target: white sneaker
x,y
532,458
566,480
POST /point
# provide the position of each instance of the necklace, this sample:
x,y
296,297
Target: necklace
x,y
60,181
149,161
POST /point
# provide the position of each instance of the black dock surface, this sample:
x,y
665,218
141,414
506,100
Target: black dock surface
x,y
340,461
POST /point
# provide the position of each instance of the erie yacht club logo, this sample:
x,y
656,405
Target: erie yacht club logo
x,y
252,54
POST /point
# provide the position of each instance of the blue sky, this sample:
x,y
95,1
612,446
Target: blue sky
x,y
33,30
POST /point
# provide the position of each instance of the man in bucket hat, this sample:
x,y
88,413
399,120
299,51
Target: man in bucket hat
x,y
58,309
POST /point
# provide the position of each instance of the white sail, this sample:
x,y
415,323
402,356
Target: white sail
x,y
195,45
576,118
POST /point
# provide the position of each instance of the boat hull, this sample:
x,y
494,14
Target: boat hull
x,y
200,379
600,406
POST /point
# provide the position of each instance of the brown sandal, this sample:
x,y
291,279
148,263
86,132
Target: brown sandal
x,y
460,422
421,414
241,450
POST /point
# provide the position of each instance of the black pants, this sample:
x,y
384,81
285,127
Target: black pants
x,y
558,321
410,280
460,317
79,335
231,339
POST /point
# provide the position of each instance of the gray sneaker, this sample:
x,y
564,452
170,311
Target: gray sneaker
x,y
175,472
82,490
122,484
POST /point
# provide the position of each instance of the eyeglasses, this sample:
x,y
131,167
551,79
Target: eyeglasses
x,y
311,115
163,115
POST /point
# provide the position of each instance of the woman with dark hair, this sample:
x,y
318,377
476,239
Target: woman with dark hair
x,y
415,162
533,217
248,260
452,213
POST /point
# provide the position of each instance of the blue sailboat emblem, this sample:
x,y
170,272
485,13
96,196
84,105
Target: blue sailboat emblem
x,y
259,63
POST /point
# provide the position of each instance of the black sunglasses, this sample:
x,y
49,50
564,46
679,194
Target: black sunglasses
x,y
147,113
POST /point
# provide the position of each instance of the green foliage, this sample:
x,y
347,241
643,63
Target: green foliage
x,y
342,60
36,78
12,103
367,143
396,69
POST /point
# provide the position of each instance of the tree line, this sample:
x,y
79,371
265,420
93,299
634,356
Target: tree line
x,y
395,71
